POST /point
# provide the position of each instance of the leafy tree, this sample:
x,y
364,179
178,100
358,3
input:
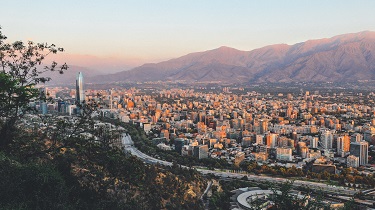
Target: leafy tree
x,y
20,71
62,165
35,186
282,198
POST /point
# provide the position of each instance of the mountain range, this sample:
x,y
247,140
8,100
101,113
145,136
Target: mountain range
x,y
69,76
343,58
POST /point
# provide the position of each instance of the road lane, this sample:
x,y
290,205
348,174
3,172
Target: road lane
x,y
129,147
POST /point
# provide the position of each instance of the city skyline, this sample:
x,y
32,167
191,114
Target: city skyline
x,y
187,104
132,33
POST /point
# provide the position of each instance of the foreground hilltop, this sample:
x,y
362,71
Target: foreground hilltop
x,y
348,57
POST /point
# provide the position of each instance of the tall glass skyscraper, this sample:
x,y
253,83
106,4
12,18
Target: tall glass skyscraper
x,y
80,92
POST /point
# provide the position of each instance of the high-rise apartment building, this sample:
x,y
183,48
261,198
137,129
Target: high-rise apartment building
x,y
360,150
263,126
343,145
352,161
271,140
356,137
201,151
179,143
326,140
314,142
284,154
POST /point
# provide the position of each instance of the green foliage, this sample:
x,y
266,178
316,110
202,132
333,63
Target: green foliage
x,y
282,198
57,166
13,95
19,73
95,177
31,186
221,200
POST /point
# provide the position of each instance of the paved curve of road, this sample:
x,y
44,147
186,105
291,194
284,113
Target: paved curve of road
x,y
129,147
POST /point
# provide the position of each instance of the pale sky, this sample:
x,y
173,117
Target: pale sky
x,y
153,30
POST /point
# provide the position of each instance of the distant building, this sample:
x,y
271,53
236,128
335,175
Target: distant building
x,y
218,146
326,140
285,142
271,140
261,156
369,134
300,145
238,158
352,161
284,154
163,146
178,144
263,124
164,133
343,145
356,137
259,139
71,109
61,106
246,141
314,142
44,108
314,154
304,152
80,92
319,168
212,142
187,150
360,150
201,151
147,127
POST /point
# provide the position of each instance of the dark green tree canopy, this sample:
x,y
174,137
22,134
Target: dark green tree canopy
x,y
20,71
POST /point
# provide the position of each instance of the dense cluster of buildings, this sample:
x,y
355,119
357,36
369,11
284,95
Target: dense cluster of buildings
x,y
292,129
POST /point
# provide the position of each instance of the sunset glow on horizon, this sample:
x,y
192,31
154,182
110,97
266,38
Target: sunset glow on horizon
x,y
136,32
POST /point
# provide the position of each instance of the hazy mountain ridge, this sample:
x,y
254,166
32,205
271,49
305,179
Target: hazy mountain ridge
x,y
69,76
348,57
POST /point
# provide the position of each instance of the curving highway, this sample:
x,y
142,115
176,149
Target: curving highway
x,y
129,147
